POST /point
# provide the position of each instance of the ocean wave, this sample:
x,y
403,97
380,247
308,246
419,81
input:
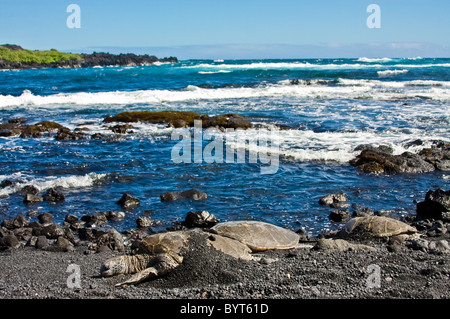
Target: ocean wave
x,y
371,60
214,72
282,66
295,144
394,84
308,145
308,82
255,65
429,65
391,72
377,65
429,83
45,183
343,88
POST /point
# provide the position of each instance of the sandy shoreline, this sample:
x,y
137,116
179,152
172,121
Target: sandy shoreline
x,y
28,273
413,263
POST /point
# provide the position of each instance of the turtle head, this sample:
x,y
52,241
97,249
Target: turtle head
x,y
114,266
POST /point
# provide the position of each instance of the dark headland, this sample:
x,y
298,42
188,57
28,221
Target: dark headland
x,y
15,57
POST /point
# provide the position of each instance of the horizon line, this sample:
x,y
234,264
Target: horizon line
x,y
283,51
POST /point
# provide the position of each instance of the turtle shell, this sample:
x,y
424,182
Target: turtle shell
x,y
375,226
170,242
258,236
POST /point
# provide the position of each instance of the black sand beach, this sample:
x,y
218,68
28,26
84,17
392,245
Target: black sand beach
x,y
299,274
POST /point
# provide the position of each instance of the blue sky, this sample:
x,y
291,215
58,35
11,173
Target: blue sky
x,y
232,29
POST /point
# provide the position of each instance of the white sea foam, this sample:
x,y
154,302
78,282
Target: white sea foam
x,y
429,83
391,72
430,65
371,60
214,72
280,65
307,82
159,63
14,176
307,145
374,64
394,84
67,182
317,89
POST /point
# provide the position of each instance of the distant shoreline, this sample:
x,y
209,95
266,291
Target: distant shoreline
x,y
26,59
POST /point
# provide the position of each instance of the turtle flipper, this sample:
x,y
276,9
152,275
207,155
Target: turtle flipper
x,y
141,276
161,265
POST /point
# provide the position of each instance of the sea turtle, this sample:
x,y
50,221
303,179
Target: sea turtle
x,y
160,253
375,226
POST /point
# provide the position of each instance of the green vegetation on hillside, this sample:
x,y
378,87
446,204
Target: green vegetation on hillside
x,y
23,55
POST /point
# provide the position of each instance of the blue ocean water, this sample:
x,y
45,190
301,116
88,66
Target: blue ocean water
x,y
331,105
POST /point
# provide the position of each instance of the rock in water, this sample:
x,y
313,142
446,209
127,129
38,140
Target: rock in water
x,y
113,215
144,222
227,121
70,219
189,194
32,199
382,161
435,206
438,155
21,120
335,200
182,119
121,128
65,134
340,215
127,201
53,196
7,183
96,220
200,219
29,189
361,211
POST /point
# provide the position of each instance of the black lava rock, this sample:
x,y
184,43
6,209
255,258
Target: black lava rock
x,y
127,201
200,219
192,194
435,206
53,196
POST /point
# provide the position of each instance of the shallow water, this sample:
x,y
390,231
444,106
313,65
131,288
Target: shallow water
x,y
332,106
